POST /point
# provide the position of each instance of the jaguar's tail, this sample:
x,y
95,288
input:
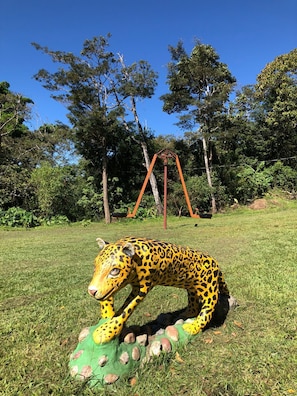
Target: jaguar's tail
x,y
223,288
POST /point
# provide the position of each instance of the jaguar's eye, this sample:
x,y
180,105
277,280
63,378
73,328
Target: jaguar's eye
x,y
114,272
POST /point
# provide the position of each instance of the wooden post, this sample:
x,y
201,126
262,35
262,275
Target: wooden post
x,y
165,193
143,187
182,180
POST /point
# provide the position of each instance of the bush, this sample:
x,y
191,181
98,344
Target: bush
x,y
283,177
147,208
254,182
90,202
55,220
199,194
17,217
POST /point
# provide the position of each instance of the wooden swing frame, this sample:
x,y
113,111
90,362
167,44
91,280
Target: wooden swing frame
x,y
164,154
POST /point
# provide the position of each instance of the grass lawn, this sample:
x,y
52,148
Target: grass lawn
x,y
44,274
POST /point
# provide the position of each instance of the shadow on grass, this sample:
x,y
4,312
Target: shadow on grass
x,y
172,318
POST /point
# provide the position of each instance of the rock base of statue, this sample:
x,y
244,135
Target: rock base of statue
x,y
102,364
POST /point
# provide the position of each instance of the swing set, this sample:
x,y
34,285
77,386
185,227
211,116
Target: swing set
x,y
166,154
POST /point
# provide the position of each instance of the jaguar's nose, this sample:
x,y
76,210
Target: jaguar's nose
x,y
92,290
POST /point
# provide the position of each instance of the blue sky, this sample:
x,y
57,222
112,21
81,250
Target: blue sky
x,y
246,34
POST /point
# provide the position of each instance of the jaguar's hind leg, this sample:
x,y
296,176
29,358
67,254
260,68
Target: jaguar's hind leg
x,y
194,305
204,316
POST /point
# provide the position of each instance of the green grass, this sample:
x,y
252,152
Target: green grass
x,y
44,274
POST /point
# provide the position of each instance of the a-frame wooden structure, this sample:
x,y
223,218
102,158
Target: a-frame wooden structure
x,y
164,154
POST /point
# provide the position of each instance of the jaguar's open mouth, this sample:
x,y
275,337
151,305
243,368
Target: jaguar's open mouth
x,y
105,296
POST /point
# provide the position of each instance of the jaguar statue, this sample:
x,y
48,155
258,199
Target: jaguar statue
x,y
144,263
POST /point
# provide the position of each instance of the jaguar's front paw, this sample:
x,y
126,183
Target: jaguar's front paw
x,y
107,331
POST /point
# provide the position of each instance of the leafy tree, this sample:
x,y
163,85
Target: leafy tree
x,y
248,134
241,137
95,87
55,144
252,181
14,109
49,184
199,87
86,84
15,190
139,82
63,190
199,194
277,89
90,200
256,179
283,177
22,150
15,147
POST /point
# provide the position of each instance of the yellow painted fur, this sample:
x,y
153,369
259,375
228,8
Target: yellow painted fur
x,y
145,263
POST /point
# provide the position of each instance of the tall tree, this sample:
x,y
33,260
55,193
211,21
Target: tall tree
x,y
91,86
15,147
277,89
14,109
199,87
242,133
55,143
85,84
139,82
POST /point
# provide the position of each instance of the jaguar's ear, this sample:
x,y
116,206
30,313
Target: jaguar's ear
x,y
128,249
101,243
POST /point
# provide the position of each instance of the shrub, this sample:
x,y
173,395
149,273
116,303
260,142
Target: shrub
x,y
254,182
199,194
56,220
17,217
283,177
90,202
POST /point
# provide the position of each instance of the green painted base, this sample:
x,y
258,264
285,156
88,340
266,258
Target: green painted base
x,y
103,364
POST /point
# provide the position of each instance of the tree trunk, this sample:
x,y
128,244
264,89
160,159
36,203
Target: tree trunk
x,y
105,189
208,174
153,180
